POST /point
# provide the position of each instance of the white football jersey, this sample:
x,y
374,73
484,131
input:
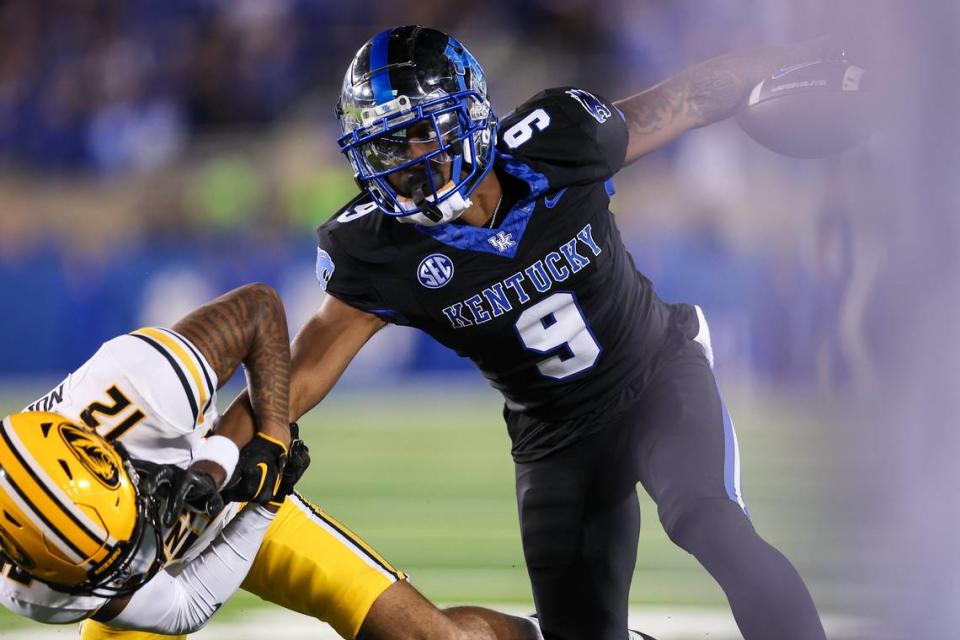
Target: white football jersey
x,y
153,391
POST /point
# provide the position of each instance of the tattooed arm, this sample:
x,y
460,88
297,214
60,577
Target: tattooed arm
x,y
704,93
248,326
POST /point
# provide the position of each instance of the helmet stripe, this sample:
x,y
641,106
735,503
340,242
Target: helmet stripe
x,y
379,73
53,493
457,61
39,520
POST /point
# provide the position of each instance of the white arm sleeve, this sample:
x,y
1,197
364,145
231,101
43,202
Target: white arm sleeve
x,y
182,604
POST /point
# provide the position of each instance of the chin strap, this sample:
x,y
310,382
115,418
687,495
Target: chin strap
x,y
431,213
429,209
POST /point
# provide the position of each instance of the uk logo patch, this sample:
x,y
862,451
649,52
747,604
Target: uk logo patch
x,y
502,241
435,271
591,103
325,268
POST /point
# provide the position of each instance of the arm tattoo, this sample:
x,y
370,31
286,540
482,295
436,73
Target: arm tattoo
x,y
654,109
710,91
249,326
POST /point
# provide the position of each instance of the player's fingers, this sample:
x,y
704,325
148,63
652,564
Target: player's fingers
x,y
177,502
214,504
297,463
150,483
270,486
165,481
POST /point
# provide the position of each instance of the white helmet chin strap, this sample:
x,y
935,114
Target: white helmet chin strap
x,y
450,209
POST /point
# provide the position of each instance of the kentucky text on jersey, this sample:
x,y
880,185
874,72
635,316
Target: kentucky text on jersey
x,y
541,276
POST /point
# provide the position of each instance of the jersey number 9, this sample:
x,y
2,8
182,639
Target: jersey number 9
x,y
556,324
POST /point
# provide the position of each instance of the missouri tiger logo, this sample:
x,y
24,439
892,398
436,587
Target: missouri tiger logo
x,y
10,548
101,462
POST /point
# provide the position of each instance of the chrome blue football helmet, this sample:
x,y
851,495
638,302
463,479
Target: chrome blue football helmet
x,y
416,123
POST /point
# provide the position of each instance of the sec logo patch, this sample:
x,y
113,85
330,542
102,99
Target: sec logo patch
x,y
435,271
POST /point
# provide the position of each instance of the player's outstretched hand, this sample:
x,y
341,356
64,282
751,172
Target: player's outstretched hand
x,y
259,472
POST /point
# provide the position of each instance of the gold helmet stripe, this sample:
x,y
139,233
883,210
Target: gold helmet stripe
x,y
62,503
40,521
182,366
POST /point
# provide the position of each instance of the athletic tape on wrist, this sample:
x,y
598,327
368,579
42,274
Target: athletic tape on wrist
x,y
222,451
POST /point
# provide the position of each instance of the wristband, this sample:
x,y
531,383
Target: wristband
x,y
221,451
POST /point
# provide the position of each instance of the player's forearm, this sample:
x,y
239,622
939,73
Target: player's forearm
x,y
714,89
248,325
704,93
323,349
267,366
184,603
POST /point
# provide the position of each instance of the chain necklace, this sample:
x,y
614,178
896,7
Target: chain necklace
x,y
496,210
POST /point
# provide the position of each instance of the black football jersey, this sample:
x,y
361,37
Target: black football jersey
x,y
548,304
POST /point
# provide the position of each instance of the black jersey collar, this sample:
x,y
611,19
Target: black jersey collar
x,y
505,238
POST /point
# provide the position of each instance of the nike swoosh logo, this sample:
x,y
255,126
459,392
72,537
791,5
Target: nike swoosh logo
x,y
552,202
782,72
263,476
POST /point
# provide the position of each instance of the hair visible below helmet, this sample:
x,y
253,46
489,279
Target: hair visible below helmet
x,y
70,512
412,87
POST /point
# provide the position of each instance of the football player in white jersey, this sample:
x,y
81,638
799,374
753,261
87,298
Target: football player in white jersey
x,y
95,474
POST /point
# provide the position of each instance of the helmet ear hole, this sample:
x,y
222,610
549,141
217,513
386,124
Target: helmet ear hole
x,y
12,520
12,551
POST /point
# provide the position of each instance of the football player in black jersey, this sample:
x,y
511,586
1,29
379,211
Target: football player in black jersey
x,y
495,237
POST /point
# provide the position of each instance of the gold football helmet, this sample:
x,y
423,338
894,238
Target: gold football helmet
x,y
71,514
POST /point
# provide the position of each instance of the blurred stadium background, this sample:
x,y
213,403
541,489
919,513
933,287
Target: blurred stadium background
x,y
154,154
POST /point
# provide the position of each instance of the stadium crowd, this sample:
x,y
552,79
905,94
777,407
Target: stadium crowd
x,y
152,151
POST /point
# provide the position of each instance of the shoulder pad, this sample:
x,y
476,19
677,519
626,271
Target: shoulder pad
x,y
568,131
571,104
361,231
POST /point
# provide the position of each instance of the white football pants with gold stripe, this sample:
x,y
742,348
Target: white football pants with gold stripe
x,y
308,563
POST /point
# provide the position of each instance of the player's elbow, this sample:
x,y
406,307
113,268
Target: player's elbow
x,y
267,303
263,294
191,612
166,606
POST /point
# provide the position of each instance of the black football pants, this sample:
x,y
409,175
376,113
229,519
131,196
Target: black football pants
x,y
580,518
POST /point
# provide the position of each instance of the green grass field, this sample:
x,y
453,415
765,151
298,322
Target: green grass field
x,y
426,478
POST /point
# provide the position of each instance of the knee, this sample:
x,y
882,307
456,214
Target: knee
x,y
699,523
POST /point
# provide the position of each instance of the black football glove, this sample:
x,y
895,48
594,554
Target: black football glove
x,y
297,462
173,489
195,490
259,471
